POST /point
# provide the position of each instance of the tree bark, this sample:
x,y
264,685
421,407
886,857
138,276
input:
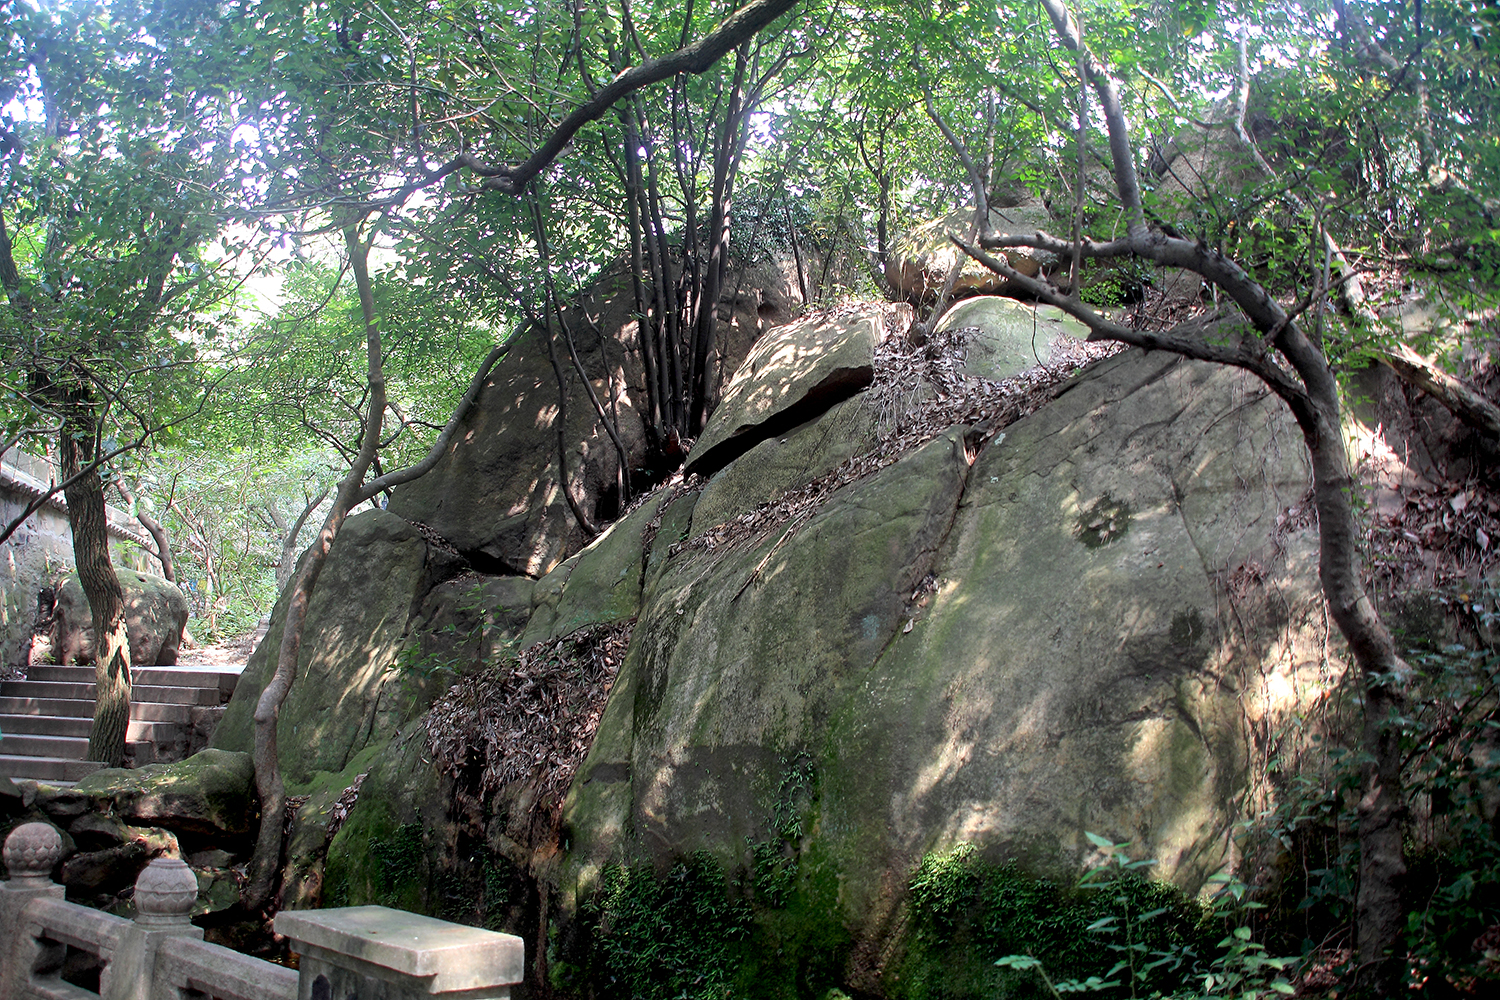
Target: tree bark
x,y
266,861
101,585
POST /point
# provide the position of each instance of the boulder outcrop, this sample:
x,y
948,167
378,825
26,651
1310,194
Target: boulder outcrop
x,y
497,493
156,612
355,687
1012,635
1007,649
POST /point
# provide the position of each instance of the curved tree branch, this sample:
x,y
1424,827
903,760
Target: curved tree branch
x,y
266,861
1382,872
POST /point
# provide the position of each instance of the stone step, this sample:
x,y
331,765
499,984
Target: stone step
x,y
79,708
146,692
60,725
65,747
205,677
48,769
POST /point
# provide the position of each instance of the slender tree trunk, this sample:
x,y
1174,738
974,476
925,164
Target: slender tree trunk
x,y
266,861
288,561
163,545
101,585
727,148
159,535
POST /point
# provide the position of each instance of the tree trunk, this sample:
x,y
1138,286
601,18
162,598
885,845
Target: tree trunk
x,y
266,861
159,535
1313,398
101,585
287,564
163,541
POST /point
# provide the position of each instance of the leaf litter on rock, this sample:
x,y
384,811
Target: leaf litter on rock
x,y
530,718
919,392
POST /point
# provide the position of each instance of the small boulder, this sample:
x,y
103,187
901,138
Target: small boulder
x,y
98,831
211,794
155,614
106,871
1009,336
60,804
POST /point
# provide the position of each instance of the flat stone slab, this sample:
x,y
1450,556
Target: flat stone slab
x,y
447,957
791,375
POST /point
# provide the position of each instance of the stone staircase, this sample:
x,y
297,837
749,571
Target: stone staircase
x,y
45,719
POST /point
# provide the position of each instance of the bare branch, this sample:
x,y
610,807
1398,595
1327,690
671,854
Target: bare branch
x,y
439,445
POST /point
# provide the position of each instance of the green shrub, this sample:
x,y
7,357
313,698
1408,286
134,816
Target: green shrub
x,y
670,936
987,929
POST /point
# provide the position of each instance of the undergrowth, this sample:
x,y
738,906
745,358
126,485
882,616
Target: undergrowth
x,y
989,929
1450,735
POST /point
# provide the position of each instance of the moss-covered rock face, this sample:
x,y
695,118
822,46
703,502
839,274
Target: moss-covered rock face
x,y
599,585
786,461
1007,336
307,843
1007,654
346,695
383,854
211,794
1006,644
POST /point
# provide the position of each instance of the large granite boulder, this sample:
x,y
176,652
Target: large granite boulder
x,y
156,612
497,495
924,259
1067,636
351,690
996,644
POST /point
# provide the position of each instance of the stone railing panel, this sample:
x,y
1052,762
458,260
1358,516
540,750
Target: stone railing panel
x,y
184,965
383,954
369,952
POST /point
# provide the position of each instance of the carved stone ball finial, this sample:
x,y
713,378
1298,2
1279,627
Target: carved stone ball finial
x,y
31,852
165,892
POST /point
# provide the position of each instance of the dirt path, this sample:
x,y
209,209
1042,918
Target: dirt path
x,y
230,652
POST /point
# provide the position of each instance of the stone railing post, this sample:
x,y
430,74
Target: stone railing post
x,y
376,953
31,852
164,896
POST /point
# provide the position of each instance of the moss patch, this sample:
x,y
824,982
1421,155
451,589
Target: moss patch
x,y
1106,520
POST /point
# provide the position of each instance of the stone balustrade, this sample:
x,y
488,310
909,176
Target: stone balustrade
x,y
51,949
